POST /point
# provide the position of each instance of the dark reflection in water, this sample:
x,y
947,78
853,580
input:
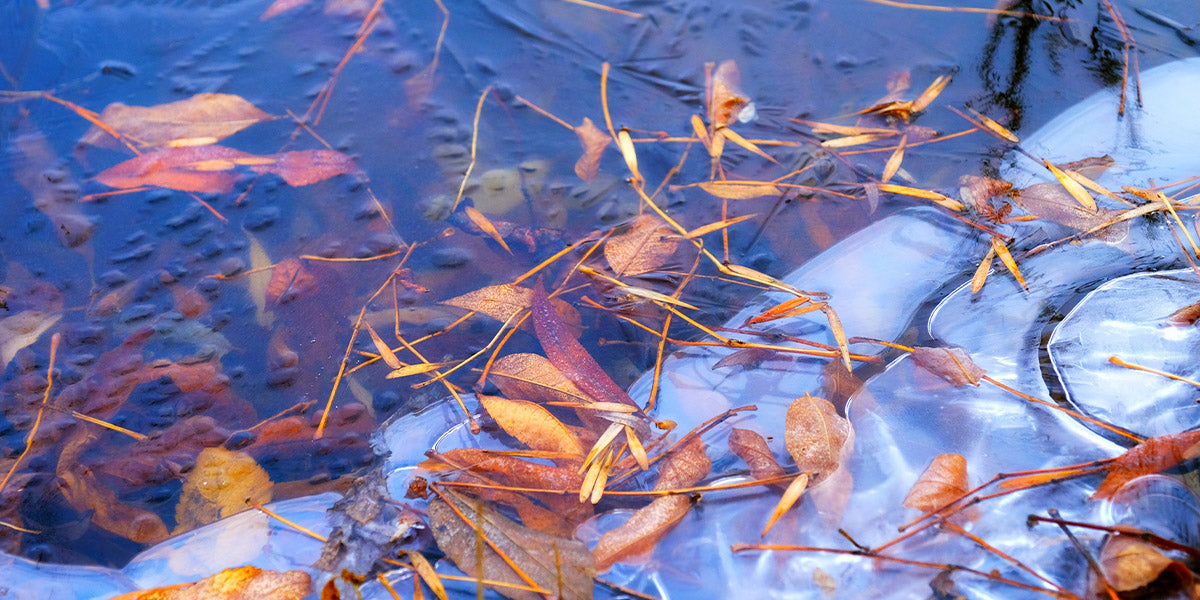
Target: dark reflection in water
x,y
131,277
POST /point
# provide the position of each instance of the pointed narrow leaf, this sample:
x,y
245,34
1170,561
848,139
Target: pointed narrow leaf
x,y
533,425
733,190
793,492
1077,191
568,355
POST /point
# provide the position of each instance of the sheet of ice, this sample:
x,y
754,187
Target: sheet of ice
x,y
1127,318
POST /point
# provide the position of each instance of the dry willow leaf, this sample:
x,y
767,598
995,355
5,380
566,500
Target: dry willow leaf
x,y
645,246
752,448
1151,456
594,141
733,190
534,377
1050,201
242,583
790,495
213,116
952,364
641,532
533,425
223,483
211,168
562,567
943,482
815,435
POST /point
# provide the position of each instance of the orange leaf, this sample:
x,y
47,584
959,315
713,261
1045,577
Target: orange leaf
x,y
289,280
533,425
304,167
793,492
210,116
1073,187
1130,564
645,246
173,168
1151,456
941,199
815,435
532,376
943,482
594,141
952,364
486,226
241,583
500,302
223,483
727,101
641,532
1009,262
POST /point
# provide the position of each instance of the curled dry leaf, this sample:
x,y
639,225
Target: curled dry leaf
x,y
533,425
944,481
594,141
815,435
562,567
242,583
752,448
645,246
952,364
726,100
1151,456
1130,564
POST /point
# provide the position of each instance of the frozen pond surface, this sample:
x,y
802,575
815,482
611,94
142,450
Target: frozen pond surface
x,y
896,274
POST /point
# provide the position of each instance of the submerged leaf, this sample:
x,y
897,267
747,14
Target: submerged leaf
x,y
500,302
304,167
943,482
641,532
1151,456
223,483
594,141
752,448
21,330
195,169
214,116
733,190
534,377
533,425
568,355
815,435
1130,564
646,246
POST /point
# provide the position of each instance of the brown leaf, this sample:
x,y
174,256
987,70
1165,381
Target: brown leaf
x,y
241,583
289,280
533,425
747,358
304,167
815,435
753,450
568,355
641,532
1051,202
84,493
196,169
952,364
1186,316
215,116
1130,564
943,482
562,567
1151,456
684,467
534,377
646,246
500,302
223,483
734,190
594,141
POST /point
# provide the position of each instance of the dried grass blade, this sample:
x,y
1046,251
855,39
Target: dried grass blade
x,y
1007,259
981,272
737,138
1077,191
941,199
893,161
385,351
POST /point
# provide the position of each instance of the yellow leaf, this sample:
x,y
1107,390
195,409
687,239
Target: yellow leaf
x,y
533,425
734,190
1077,191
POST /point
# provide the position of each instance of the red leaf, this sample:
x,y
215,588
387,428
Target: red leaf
x,y
191,169
566,353
304,167
1151,456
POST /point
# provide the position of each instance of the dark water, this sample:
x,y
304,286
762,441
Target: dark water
x,y
121,265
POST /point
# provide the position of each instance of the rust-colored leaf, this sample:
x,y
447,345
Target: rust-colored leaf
x,y
952,364
641,532
735,190
977,191
815,435
684,467
1186,316
594,141
1130,564
193,169
209,116
944,481
84,493
304,167
289,279
533,425
568,355
646,246
752,448
241,583
1151,456
785,309
488,545
509,469
223,483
